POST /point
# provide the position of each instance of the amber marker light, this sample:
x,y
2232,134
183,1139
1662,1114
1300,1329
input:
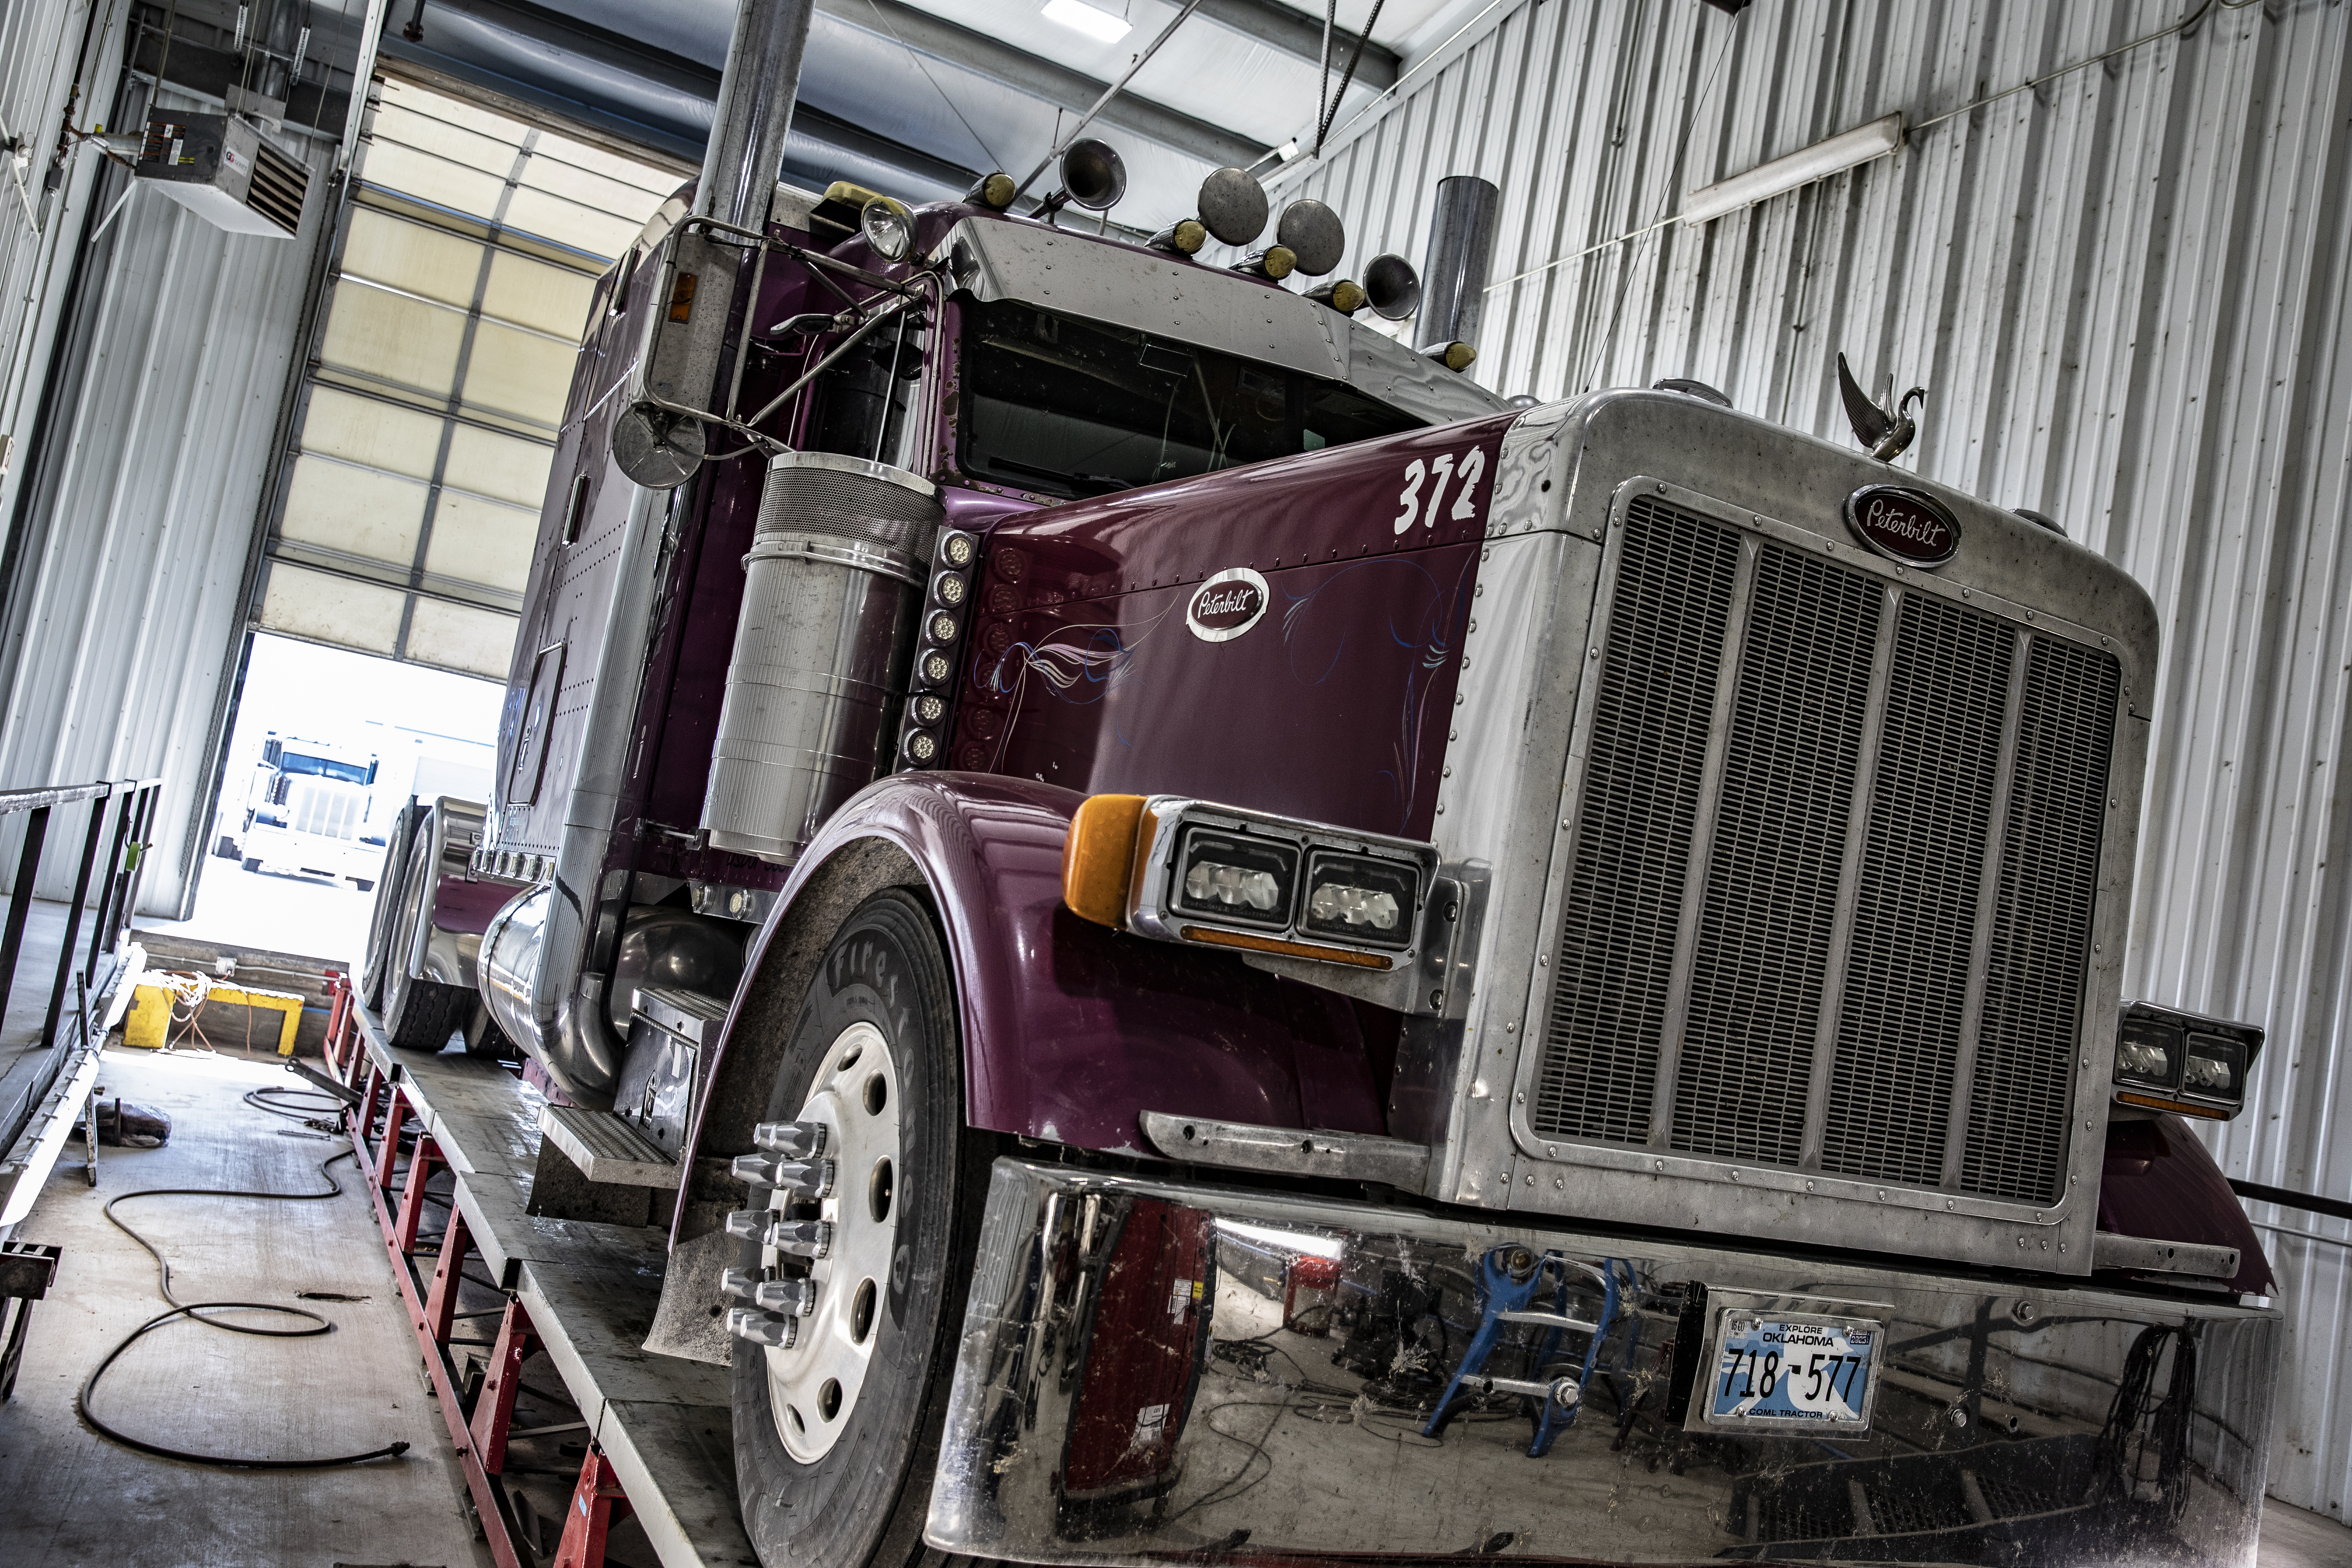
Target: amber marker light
x,y
1098,857
2178,1107
1287,949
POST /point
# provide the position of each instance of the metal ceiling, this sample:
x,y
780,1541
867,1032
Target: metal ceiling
x,y
918,100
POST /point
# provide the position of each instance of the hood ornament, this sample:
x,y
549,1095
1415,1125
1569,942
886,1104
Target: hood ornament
x,y
1886,427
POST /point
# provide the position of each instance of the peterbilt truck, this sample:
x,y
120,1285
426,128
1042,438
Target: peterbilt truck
x,y
310,806
1242,952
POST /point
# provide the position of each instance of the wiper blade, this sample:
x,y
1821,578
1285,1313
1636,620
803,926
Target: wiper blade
x,y
1101,484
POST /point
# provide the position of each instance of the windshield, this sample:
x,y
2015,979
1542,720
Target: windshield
x,y
1072,407
319,767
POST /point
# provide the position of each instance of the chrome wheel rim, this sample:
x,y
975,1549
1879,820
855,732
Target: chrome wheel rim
x,y
812,1386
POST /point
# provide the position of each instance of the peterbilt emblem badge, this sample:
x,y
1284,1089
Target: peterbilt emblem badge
x,y
1902,525
1227,605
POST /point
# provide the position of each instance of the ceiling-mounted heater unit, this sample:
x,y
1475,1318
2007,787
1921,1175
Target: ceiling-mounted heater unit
x,y
219,168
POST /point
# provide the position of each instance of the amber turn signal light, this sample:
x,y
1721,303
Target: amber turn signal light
x,y
1098,857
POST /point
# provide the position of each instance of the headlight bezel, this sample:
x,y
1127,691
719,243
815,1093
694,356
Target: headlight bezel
x,y
2143,1084
1168,827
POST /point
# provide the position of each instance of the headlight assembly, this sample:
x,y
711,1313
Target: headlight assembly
x,y
1218,876
2168,1060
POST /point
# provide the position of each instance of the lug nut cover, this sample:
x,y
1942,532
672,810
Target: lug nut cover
x,y
763,1328
793,1140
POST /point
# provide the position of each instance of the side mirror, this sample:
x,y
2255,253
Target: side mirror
x,y
658,439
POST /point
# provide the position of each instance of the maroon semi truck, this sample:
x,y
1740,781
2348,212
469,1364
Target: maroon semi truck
x,y
1217,944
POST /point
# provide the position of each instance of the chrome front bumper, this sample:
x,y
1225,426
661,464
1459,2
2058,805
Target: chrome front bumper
x,y
1152,1370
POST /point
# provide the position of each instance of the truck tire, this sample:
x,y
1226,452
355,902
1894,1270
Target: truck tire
x,y
225,848
420,1015
251,863
363,884
874,1055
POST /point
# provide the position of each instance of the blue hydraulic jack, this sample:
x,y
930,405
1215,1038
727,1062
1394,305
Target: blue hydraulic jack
x,y
1510,1279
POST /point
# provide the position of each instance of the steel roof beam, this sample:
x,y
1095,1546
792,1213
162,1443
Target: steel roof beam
x,y
1043,79
1294,32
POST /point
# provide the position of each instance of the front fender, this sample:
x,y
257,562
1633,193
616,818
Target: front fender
x,y
1070,1030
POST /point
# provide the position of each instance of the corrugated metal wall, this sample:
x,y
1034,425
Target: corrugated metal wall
x,y
2126,292
174,369
43,45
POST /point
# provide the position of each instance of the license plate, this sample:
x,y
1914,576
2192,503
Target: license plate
x,y
1790,1370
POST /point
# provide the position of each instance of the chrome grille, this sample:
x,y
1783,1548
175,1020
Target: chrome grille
x,y
1916,909
1772,876
1830,886
1656,704
2017,1103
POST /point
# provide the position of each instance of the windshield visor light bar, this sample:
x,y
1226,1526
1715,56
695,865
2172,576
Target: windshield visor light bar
x,y
2168,1060
1217,876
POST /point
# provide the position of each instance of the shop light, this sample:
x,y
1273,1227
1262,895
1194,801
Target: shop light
x,y
1846,151
1080,17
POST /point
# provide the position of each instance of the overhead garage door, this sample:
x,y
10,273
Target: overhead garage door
x,y
428,416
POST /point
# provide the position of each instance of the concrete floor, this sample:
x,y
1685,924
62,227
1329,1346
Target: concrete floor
x,y
74,1499
2293,1537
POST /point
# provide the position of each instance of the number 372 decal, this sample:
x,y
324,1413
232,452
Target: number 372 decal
x,y
1438,473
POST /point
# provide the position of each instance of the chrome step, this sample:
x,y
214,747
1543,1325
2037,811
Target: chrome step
x,y
608,1149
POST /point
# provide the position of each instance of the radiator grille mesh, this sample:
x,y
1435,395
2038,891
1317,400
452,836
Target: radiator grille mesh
x,y
1710,858
1655,702
1916,909
1772,878
2041,942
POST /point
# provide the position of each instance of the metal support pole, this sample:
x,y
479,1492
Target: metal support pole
x,y
441,1299
387,1153
149,796
411,1215
596,1502
494,1407
20,899
754,113
73,922
113,893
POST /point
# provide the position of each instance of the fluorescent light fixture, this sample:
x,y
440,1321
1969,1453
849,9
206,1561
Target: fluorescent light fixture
x,y
1094,22
1765,181
1297,1241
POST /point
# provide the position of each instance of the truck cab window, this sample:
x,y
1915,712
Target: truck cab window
x,y
862,401
1072,407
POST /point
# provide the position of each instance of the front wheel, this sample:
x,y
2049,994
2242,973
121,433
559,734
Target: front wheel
x,y
836,1436
251,863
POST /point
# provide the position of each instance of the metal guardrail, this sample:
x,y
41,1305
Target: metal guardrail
x,y
133,814
2310,1203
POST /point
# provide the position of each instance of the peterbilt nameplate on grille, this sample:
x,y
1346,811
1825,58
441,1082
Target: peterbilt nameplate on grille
x,y
1903,525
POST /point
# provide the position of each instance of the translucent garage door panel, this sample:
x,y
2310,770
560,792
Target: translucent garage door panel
x,y
503,467
478,540
533,294
332,609
400,342
469,248
373,434
333,506
453,636
412,256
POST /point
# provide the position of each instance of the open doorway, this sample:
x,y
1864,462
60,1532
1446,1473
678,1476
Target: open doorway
x,y
328,745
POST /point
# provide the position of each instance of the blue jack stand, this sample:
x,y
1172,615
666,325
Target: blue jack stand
x,y
1510,1280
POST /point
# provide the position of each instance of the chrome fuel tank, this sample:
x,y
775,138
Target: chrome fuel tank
x,y
833,589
